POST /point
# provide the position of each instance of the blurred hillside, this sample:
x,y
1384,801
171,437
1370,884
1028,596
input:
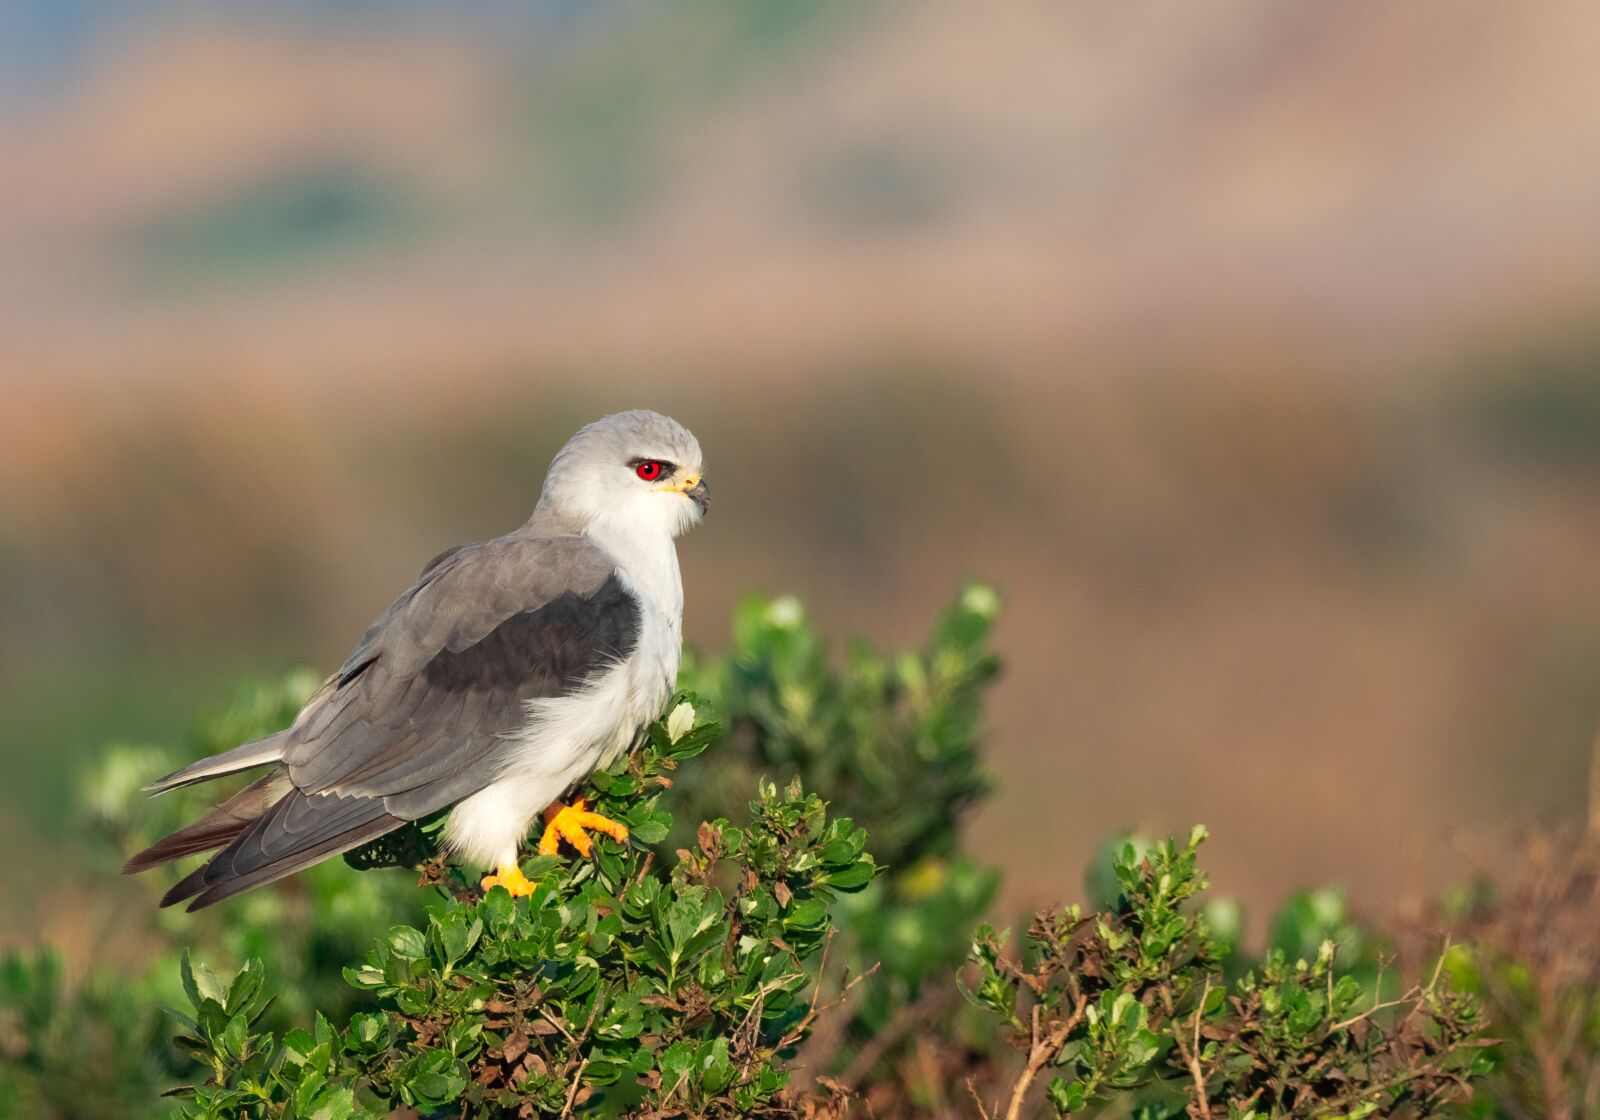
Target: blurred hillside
x,y
1249,350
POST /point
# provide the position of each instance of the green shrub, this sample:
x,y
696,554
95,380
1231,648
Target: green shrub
x,y
1131,1000
677,992
891,740
763,964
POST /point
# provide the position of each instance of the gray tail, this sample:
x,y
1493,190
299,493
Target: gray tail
x,y
265,831
258,753
294,831
221,825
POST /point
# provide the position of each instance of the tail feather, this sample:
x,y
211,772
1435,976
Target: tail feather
x,y
257,753
343,842
221,824
267,830
289,831
186,887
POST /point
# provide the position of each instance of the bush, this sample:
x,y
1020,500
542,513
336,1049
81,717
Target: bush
x,y
892,742
1131,999
676,992
759,965
1531,954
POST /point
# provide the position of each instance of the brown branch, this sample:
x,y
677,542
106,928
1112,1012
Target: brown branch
x,y
644,868
557,1024
1413,997
744,1034
972,1088
572,1090
818,1006
1201,1109
1547,1058
1040,1053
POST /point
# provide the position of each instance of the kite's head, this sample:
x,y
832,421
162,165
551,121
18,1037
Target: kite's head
x,y
637,469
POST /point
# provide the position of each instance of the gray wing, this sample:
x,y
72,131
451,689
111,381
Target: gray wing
x,y
430,693
416,718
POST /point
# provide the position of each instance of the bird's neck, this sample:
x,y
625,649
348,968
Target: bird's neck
x,y
650,560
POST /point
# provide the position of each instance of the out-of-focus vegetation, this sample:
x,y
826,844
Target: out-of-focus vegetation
x,y
341,992
1251,352
1531,957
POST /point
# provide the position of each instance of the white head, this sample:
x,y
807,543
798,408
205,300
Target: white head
x,y
637,470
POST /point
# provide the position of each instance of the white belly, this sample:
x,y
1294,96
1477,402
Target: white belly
x,y
566,738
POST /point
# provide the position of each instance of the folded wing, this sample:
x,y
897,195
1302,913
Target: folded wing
x,y
417,717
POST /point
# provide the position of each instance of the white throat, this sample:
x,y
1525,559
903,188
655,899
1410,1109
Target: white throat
x,y
648,558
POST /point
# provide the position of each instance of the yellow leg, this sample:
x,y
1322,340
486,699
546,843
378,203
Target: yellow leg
x,y
567,822
510,877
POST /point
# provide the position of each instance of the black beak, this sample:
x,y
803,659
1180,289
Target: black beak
x,y
700,494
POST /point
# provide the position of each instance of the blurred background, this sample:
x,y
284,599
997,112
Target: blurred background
x,y
1250,351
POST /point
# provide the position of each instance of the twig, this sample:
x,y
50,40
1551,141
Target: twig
x,y
820,1046
743,1044
1040,1053
572,1090
1547,1055
683,1079
1410,997
557,1024
972,1088
799,1030
1191,1057
1438,966
908,1017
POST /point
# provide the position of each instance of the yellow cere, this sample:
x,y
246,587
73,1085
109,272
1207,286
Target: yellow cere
x,y
687,482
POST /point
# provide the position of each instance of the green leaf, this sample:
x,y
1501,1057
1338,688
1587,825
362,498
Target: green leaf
x,y
1066,1096
336,1102
675,1062
246,985
717,1069
680,721
434,1079
235,1035
368,1032
408,943
456,937
651,830
191,987
305,1093
807,915
298,1045
853,877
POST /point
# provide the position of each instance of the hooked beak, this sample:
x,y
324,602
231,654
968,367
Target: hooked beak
x,y
700,494
693,487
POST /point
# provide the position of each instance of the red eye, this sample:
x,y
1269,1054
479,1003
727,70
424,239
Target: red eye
x,y
649,470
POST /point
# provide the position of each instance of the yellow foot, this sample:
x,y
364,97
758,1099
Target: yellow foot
x,y
567,822
512,879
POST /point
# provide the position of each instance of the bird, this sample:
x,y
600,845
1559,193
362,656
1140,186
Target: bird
x,y
506,674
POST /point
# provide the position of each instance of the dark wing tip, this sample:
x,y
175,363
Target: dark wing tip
x,y
187,887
